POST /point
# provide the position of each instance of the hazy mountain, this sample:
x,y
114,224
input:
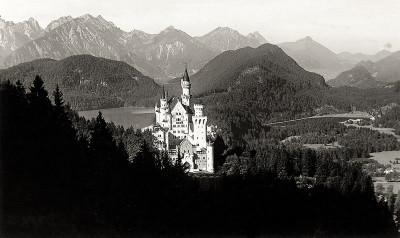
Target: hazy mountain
x,y
388,68
82,35
368,74
89,82
171,49
224,38
358,77
368,64
314,57
233,69
14,35
357,57
256,35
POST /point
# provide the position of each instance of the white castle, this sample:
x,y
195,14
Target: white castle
x,y
179,130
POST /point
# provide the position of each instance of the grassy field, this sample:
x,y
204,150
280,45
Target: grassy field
x,y
124,116
385,157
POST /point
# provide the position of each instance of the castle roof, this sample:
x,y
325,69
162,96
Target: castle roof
x,y
185,76
175,101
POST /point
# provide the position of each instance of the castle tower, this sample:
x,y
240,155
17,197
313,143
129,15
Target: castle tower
x,y
185,84
163,108
210,158
199,126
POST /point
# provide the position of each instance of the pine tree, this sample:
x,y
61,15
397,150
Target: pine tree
x,y
38,94
58,98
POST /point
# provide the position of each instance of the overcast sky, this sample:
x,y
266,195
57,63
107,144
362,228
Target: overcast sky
x,y
366,26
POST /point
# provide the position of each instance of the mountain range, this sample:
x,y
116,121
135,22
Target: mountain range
x,y
367,74
160,56
358,57
317,58
223,38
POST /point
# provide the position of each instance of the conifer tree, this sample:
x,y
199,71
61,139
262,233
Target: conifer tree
x,y
38,94
58,98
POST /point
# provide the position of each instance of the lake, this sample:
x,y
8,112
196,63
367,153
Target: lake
x,y
138,117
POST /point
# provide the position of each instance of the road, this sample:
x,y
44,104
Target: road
x,y
344,115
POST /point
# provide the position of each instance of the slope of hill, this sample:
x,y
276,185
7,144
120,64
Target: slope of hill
x,y
225,71
358,77
89,82
223,38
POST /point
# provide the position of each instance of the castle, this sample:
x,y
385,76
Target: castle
x,y
179,130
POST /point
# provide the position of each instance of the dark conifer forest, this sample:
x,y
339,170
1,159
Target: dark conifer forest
x,y
64,176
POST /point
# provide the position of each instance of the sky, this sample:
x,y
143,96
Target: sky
x,y
365,26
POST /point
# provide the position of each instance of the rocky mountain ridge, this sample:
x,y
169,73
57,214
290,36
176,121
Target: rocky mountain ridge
x,y
160,56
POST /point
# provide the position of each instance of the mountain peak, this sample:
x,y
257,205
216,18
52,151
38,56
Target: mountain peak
x,y
86,17
58,22
256,35
31,19
307,38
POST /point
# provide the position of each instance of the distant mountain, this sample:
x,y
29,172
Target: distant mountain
x,y
82,35
161,56
223,38
313,56
58,22
227,71
14,35
368,64
358,77
357,57
171,49
256,35
388,68
89,82
371,75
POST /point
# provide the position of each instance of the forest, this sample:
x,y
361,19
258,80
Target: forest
x,y
89,82
66,176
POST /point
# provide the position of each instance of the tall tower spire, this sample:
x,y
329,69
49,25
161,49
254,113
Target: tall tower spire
x,y
185,83
186,75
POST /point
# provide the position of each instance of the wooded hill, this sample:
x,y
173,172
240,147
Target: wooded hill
x,y
89,82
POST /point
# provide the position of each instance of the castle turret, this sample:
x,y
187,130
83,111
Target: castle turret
x,y
185,84
199,126
163,109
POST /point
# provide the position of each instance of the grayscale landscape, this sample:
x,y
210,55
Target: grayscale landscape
x,y
200,118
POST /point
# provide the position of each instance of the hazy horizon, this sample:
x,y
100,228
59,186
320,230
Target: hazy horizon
x,y
366,26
